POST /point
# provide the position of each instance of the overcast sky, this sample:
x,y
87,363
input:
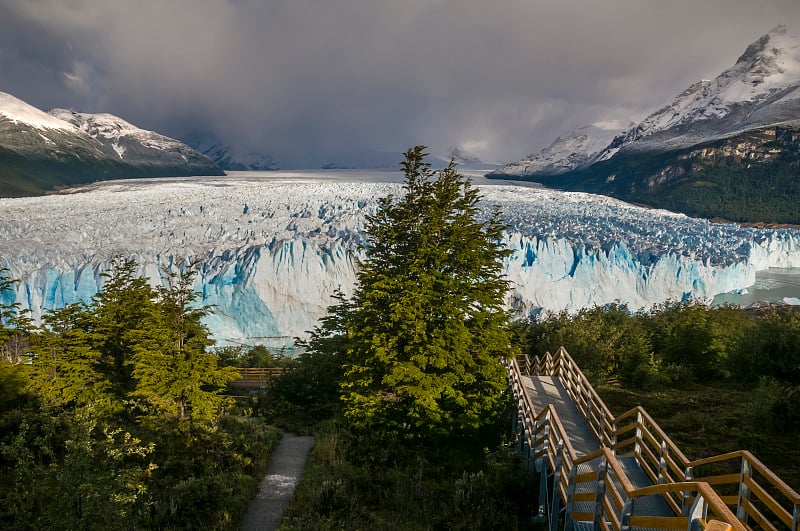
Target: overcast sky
x,y
500,77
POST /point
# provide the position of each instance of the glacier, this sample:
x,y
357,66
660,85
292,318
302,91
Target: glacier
x,y
272,248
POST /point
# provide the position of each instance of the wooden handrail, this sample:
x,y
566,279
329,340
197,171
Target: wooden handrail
x,y
256,376
684,461
758,466
713,500
562,352
653,446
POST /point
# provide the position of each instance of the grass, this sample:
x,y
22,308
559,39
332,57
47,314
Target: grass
x,y
711,419
347,485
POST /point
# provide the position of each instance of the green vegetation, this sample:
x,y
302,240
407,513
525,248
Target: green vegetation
x,y
255,356
766,193
354,483
716,379
426,326
403,381
111,415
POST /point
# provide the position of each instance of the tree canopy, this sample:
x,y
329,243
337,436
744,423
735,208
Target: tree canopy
x,y
426,326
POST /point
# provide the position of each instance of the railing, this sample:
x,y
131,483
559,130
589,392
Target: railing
x,y
256,376
752,489
663,462
756,494
612,498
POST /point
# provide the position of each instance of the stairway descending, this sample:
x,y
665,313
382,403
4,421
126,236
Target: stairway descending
x,y
548,390
598,471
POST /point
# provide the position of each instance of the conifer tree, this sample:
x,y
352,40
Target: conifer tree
x,y
172,369
14,323
67,366
426,326
117,322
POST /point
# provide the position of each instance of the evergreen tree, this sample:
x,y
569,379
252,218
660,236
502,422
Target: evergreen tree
x,y
67,366
118,317
172,369
14,323
426,327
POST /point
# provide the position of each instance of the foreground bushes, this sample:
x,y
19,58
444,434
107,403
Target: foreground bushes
x,y
351,485
65,468
111,415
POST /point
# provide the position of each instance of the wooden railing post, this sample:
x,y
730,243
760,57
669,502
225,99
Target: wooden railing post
x,y
568,524
556,501
744,490
545,440
662,463
697,513
688,475
625,517
637,445
796,517
600,493
603,434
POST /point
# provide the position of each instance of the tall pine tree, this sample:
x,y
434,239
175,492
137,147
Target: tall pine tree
x,y
173,371
426,327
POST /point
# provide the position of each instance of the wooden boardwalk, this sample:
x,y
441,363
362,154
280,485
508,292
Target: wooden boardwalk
x,y
603,472
255,377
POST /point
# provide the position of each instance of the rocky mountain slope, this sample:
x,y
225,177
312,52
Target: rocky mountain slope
x,y
566,153
761,90
42,151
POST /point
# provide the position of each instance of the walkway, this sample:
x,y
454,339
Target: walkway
x,y
624,472
275,492
549,390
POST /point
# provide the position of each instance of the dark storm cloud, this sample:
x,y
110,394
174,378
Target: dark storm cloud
x,y
502,77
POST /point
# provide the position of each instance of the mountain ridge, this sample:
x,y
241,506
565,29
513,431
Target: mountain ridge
x,y
43,151
714,135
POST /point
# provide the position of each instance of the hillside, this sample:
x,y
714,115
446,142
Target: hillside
x,y
752,177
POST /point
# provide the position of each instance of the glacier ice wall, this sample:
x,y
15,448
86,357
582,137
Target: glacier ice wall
x,y
272,250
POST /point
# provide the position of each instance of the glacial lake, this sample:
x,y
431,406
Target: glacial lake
x,y
771,285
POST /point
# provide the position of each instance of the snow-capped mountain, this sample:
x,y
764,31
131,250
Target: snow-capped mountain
x,y
463,157
728,147
273,248
15,111
139,147
229,157
762,89
40,151
577,149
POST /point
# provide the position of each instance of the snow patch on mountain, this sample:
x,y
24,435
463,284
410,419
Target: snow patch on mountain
x,y
18,111
761,89
568,152
119,150
108,127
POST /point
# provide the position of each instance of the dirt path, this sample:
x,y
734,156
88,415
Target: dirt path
x,y
277,488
